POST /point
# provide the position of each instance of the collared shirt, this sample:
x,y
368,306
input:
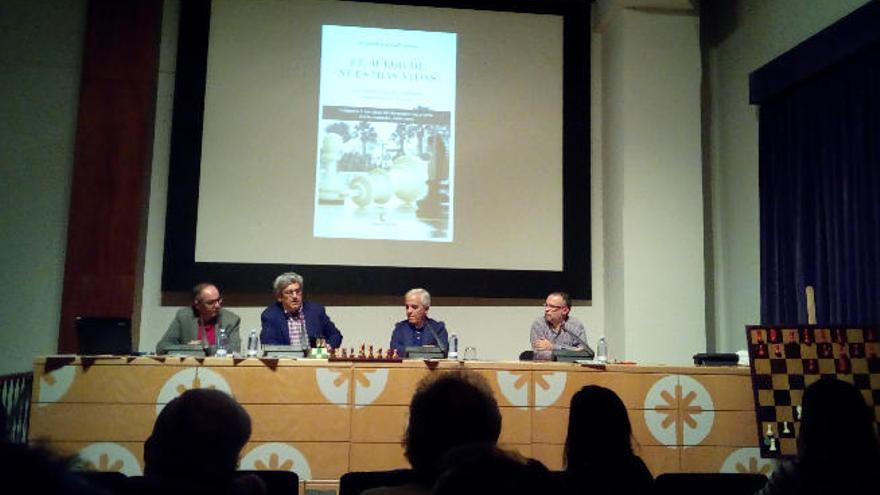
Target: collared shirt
x,y
561,340
296,329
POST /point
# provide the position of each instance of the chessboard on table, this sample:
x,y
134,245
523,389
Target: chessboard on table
x,y
786,359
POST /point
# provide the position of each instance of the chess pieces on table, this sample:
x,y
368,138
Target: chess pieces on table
x,y
785,429
321,350
365,353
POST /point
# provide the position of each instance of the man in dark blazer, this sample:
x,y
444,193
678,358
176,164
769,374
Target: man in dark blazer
x,y
290,318
201,322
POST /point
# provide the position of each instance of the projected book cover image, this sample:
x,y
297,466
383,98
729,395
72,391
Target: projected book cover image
x,y
386,127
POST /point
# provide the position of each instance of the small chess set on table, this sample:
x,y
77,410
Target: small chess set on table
x,y
785,360
365,354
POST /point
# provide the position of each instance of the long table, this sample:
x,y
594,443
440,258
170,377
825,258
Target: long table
x,y
323,419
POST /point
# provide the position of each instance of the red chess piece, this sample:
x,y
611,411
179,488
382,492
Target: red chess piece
x,y
843,364
812,365
773,335
761,351
808,339
777,350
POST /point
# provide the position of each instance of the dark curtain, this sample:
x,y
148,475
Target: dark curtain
x,y
819,146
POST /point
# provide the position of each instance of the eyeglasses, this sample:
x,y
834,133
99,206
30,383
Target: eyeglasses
x,y
212,302
291,292
554,307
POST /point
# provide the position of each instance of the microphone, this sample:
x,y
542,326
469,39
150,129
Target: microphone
x,y
443,348
580,341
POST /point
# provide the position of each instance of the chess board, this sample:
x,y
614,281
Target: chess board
x,y
785,360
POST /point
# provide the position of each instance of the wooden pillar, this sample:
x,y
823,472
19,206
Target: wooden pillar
x,y
113,151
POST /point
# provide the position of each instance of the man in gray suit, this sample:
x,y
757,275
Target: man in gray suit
x,y
201,322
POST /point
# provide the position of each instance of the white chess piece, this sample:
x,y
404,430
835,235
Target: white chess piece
x,y
785,429
330,182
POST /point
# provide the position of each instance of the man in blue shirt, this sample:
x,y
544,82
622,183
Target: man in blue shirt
x,y
417,329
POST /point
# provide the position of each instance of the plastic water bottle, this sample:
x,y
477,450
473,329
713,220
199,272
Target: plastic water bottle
x,y
602,350
222,343
453,347
253,344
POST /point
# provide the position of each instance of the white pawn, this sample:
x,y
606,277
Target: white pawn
x,y
772,444
785,430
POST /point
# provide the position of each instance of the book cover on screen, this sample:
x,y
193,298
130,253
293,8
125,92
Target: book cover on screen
x,y
386,127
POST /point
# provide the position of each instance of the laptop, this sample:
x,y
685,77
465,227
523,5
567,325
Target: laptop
x,y
103,335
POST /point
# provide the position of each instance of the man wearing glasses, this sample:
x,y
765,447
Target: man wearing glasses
x,y
557,330
201,322
292,321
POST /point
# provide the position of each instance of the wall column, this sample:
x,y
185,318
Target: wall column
x,y
652,182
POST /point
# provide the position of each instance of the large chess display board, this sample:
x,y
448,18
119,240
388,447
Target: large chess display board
x,y
785,360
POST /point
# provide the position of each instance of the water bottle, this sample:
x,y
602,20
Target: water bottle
x,y
222,343
602,350
253,344
453,346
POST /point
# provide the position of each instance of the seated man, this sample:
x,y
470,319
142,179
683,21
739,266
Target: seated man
x,y
417,329
201,322
557,330
292,321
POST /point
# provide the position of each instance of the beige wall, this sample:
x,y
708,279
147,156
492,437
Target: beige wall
x,y
649,69
40,58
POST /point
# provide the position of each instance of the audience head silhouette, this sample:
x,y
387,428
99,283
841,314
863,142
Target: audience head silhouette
x,y
449,410
477,469
597,417
837,426
198,435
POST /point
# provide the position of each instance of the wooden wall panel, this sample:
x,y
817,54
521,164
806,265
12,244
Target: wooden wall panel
x,y
111,164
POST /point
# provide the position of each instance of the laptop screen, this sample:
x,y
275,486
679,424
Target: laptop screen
x,y
103,335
